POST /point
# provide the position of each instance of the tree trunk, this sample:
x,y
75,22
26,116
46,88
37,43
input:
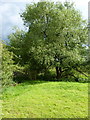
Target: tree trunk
x,y
58,72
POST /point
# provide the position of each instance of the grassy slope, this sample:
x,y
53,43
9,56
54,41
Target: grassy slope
x,y
46,100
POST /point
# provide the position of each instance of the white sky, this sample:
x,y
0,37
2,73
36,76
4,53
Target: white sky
x,y
10,9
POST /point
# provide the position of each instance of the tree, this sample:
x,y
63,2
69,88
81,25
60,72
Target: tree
x,y
56,37
18,46
22,56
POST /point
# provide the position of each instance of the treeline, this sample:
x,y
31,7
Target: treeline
x,y
56,42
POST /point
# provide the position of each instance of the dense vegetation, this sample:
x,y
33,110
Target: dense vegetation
x,y
56,39
7,65
54,51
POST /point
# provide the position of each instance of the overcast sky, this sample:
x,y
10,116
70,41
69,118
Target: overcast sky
x,y
10,10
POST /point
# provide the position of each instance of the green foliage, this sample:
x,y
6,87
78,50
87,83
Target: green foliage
x,y
17,46
7,66
56,37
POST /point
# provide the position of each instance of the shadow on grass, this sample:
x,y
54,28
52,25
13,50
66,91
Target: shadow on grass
x,y
34,82
40,80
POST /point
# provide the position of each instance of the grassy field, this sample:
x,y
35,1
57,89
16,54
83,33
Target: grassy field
x,y
46,100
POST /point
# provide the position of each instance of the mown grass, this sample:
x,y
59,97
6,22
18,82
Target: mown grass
x,y
46,100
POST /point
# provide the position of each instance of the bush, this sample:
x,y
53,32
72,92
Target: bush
x,y
7,66
84,79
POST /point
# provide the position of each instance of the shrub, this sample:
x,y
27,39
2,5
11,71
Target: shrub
x,y
7,65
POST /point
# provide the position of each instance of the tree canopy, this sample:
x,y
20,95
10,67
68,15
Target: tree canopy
x,y
56,37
